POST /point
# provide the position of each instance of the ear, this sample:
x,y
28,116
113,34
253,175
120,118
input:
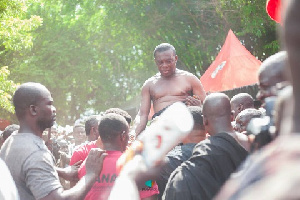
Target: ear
x,y
33,110
123,136
205,121
232,115
241,107
176,58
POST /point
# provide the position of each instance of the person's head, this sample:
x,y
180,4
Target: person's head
x,y
165,58
292,43
79,134
121,112
113,129
217,113
91,127
241,102
271,72
198,132
283,110
9,130
63,145
34,106
244,117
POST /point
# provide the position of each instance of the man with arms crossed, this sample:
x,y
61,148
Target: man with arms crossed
x,y
168,86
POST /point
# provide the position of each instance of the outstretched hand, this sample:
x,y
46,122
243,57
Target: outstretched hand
x,y
73,171
94,161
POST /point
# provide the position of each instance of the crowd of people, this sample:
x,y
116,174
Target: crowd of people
x,y
234,150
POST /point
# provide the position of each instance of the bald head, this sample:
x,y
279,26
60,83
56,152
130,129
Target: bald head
x,y
217,113
271,72
241,102
216,105
28,94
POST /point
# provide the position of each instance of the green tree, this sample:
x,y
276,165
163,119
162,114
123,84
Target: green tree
x,y
96,54
7,87
14,36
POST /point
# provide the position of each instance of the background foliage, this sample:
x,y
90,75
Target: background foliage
x,y
96,54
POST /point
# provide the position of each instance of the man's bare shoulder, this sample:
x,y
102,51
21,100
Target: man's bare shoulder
x,y
152,80
184,73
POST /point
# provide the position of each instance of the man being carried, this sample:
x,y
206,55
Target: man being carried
x,y
168,86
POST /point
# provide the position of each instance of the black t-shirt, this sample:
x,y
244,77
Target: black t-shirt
x,y
211,164
173,159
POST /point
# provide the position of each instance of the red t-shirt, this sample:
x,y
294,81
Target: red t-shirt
x,y
82,152
103,185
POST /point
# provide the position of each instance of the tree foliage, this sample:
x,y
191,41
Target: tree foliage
x,y
14,36
7,87
96,54
15,31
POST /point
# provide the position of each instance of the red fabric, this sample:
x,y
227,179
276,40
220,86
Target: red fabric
x,y
273,8
3,124
234,67
102,187
82,152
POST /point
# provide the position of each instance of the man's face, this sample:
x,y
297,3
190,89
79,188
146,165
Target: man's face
x,y
267,86
235,107
95,132
79,134
166,62
241,123
46,112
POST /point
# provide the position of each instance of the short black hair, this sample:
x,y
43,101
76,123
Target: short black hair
x,y
9,130
121,112
27,94
252,112
91,121
196,112
164,47
111,126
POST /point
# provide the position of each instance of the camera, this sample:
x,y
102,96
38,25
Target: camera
x,y
263,128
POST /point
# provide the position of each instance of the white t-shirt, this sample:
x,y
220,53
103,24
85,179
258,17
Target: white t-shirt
x,y
8,188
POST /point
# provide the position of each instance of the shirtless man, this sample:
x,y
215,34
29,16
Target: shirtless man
x,y
168,86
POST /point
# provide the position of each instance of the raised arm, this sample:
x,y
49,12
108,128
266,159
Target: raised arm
x,y
142,117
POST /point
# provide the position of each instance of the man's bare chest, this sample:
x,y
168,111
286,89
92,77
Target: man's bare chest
x,y
177,87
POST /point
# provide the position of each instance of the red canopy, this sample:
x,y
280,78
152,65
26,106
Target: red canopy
x,y
234,67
